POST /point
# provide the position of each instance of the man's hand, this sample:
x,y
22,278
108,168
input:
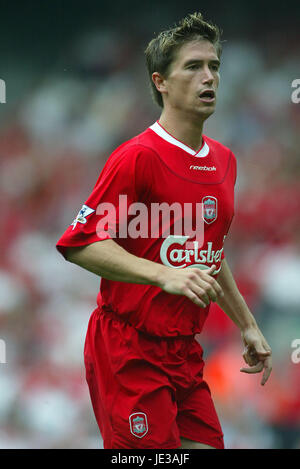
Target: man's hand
x,y
257,353
197,285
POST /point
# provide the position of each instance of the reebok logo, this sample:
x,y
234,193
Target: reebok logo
x,y
203,168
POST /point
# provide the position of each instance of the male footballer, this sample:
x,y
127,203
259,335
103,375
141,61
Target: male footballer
x,y
143,365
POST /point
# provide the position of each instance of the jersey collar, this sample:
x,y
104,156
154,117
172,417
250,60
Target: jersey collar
x,y
159,130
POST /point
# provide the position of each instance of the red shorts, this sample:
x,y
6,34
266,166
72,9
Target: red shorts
x,y
147,392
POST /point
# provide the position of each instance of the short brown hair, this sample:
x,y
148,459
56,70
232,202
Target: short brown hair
x,y
160,52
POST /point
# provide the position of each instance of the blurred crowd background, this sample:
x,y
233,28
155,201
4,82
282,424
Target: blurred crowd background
x,y
76,88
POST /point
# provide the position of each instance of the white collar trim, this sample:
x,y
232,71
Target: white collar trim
x,y
159,130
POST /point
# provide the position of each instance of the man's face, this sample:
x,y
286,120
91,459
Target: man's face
x,y
193,79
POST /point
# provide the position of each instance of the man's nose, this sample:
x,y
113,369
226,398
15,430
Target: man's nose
x,y
208,76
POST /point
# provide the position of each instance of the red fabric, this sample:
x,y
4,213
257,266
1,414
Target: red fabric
x,y
151,170
130,373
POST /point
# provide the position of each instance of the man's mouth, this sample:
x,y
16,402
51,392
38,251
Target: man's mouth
x,y
207,96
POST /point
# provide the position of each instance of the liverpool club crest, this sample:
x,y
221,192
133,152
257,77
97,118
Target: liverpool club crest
x,y
138,424
210,209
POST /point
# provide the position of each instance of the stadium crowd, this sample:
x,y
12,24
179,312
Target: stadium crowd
x,y
53,145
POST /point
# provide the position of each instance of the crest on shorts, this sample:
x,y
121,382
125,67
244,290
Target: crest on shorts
x,y
210,209
138,424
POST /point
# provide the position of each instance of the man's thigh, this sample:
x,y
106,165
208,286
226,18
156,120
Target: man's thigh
x,y
197,420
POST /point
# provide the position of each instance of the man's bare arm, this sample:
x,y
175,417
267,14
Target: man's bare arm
x,y
109,260
257,352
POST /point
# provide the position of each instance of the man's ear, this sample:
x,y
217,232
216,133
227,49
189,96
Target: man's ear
x,y
159,82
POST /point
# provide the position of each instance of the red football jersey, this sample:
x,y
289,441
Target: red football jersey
x,y
152,169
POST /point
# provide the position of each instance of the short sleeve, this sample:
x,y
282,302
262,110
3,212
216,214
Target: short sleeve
x,y
103,215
